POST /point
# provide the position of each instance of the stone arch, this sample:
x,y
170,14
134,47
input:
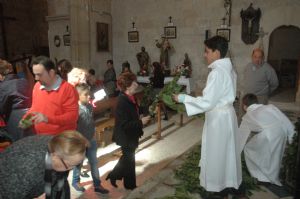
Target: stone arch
x,y
284,56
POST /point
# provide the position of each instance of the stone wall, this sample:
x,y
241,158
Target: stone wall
x,y
28,33
100,13
81,17
58,20
192,18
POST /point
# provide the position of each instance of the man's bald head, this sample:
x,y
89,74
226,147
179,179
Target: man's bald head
x,y
258,56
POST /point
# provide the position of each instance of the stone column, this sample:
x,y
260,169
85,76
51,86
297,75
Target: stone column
x,y
58,20
297,99
80,32
57,29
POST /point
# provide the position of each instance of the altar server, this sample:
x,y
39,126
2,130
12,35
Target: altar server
x,y
220,161
264,151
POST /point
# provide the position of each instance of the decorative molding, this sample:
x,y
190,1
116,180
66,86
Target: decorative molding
x,y
58,18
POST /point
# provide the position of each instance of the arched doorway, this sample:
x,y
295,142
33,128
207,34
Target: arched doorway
x,y
284,54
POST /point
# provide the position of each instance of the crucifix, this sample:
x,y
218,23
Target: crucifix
x,y
261,35
3,31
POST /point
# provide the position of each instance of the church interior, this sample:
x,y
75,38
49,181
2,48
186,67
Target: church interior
x,y
90,32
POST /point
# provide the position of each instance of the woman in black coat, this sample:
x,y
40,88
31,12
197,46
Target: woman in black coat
x,y
157,82
128,129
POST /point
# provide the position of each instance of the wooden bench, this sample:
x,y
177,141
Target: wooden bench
x,y
104,124
104,130
105,104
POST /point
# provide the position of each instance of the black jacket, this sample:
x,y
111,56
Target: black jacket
x,y
158,80
128,127
14,94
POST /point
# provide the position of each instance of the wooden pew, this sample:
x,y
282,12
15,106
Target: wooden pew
x,y
104,123
104,105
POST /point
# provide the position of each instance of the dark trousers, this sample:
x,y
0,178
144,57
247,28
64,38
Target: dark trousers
x,y
125,168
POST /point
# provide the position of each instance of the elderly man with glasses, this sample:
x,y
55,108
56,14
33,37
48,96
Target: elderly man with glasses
x,y
38,165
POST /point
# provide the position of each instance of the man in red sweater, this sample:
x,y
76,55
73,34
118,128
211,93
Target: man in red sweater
x,y
54,101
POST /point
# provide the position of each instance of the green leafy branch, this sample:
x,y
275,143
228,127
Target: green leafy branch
x,y
188,174
288,171
165,96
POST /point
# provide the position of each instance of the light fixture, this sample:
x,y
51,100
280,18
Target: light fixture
x,y
67,37
133,34
170,23
227,18
133,26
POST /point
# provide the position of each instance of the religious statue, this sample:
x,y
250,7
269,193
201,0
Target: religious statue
x,y
187,61
187,65
165,47
185,69
143,59
250,24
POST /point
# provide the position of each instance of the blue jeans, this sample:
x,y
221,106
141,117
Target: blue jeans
x,y
91,154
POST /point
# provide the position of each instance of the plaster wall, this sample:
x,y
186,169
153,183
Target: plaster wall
x,y
191,18
100,13
58,7
81,17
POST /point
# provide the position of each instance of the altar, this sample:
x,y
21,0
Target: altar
x,y
182,81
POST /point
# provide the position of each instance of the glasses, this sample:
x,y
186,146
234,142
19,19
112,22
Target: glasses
x,y
64,163
67,167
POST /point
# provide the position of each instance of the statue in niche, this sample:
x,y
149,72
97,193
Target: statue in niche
x,y
250,24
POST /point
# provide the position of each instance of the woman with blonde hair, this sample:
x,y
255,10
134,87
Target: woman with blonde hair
x,y
77,75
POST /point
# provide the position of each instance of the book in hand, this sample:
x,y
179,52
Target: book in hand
x,y
99,95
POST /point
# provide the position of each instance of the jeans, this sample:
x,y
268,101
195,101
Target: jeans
x,y
91,154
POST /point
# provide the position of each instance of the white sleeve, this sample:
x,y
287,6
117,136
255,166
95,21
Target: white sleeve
x,y
211,94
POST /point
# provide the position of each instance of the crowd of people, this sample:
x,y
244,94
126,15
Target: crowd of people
x,y
61,130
